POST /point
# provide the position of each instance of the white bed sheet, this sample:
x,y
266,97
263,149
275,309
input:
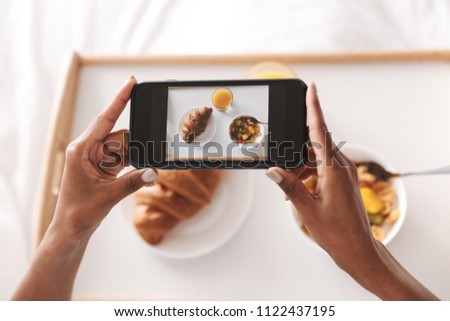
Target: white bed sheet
x,y
35,36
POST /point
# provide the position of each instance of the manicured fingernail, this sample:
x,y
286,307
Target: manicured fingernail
x,y
274,175
132,79
149,176
314,87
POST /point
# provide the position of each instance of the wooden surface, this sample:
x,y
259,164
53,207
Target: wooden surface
x,y
57,141
351,57
401,76
62,114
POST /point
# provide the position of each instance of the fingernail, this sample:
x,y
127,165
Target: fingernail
x,y
314,87
149,176
274,175
132,79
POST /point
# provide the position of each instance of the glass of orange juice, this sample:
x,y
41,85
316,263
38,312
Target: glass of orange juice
x,y
222,98
270,69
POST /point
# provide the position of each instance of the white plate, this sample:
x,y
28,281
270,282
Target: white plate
x,y
209,132
212,226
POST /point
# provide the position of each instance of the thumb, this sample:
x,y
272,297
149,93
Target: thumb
x,y
134,180
294,189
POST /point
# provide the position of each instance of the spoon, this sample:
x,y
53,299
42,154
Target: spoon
x,y
379,171
257,121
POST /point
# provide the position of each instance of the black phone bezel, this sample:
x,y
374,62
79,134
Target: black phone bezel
x,y
296,128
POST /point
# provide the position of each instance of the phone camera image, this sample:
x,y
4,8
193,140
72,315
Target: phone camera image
x,y
217,123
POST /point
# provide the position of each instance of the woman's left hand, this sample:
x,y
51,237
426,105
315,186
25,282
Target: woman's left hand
x,y
90,186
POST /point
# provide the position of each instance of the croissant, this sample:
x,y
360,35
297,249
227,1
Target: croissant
x,y
191,184
152,224
177,195
161,198
195,123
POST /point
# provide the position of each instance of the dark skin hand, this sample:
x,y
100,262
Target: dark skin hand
x,y
89,190
336,218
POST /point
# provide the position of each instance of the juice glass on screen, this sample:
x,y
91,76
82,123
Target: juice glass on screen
x,y
222,98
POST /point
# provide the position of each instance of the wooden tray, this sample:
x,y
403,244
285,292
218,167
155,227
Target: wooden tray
x,y
394,102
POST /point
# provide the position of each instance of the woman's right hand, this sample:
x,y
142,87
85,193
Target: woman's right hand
x,y
335,216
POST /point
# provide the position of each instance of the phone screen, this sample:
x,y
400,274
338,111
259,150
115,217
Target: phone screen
x,y
218,124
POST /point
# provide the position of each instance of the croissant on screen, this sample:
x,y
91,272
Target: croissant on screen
x,y
176,196
195,123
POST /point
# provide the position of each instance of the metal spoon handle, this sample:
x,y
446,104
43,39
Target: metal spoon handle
x,y
434,171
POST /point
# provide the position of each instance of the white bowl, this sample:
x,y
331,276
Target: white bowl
x,y
258,139
358,153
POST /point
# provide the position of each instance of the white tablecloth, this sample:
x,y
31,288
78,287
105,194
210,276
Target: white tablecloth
x,y
36,35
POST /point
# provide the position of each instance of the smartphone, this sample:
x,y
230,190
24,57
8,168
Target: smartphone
x,y
218,124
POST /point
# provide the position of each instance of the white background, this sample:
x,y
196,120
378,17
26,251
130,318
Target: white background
x,y
35,35
344,311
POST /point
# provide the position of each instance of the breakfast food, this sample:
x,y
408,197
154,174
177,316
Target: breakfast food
x,y
195,123
379,198
380,202
222,98
177,195
244,129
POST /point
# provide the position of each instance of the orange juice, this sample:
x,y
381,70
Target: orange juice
x,y
222,98
271,75
270,69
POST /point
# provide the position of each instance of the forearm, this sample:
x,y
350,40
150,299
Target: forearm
x,y
384,276
52,272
